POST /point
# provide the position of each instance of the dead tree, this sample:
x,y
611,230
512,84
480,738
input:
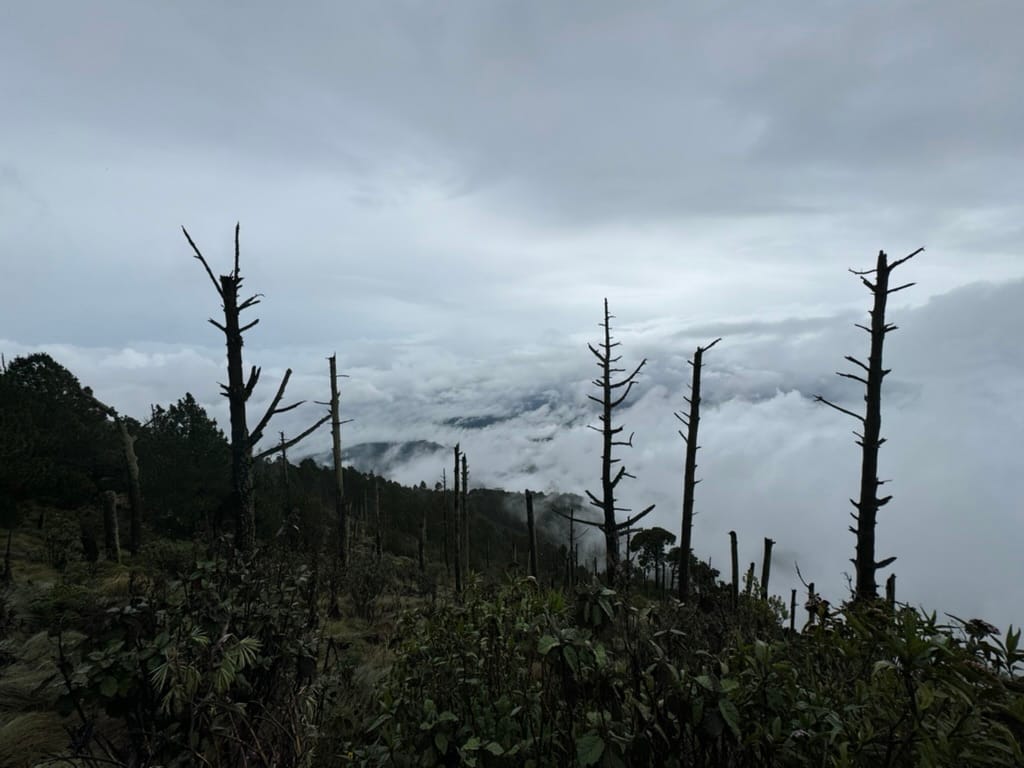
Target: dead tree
x,y
531,534
131,464
380,519
871,376
457,520
238,390
609,400
692,422
766,567
464,508
444,521
340,503
735,569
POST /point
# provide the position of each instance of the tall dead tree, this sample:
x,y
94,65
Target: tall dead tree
x,y
457,520
609,400
871,376
111,535
734,554
464,509
444,520
766,567
691,421
238,390
340,503
131,463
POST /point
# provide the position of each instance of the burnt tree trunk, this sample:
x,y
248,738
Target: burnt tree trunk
x,y
692,423
134,487
531,534
457,519
873,373
734,550
339,481
766,567
464,507
609,400
380,519
444,522
238,391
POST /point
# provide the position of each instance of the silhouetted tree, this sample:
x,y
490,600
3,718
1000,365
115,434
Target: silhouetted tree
x,y
871,440
650,543
238,391
692,422
609,400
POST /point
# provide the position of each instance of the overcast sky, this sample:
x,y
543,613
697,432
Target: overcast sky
x,y
442,193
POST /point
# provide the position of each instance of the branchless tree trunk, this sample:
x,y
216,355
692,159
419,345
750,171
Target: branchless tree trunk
x,y
766,567
464,510
238,391
692,423
111,535
609,399
871,375
444,521
734,552
457,520
340,503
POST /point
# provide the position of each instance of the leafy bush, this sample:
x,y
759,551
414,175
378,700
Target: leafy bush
x,y
217,668
513,677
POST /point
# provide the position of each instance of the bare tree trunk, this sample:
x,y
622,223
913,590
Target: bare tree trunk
x,y
890,590
339,481
238,391
792,611
421,544
458,527
870,441
444,514
766,567
692,423
464,507
380,519
531,534
750,580
134,487
609,400
111,539
735,570
812,601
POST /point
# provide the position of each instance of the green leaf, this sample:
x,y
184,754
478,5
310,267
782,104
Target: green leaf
x,y
108,687
589,749
546,643
731,716
494,748
441,742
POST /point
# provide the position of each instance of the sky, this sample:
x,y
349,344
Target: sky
x,y
443,194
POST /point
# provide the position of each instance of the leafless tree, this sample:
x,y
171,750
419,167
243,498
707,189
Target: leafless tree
x,y
238,390
613,393
692,422
871,375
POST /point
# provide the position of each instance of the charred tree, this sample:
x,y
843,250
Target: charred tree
x,y
340,502
692,422
457,520
464,508
444,521
871,375
610,399
238,390
380,519
766,567
735,569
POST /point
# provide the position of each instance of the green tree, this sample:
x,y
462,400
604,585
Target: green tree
x,y
56,443
185,459
651,543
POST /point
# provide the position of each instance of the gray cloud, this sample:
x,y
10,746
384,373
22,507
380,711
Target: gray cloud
x,y
443,193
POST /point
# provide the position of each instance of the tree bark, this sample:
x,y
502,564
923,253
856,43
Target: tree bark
x,y
458,527
339,482
735,570
766,567
134,487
